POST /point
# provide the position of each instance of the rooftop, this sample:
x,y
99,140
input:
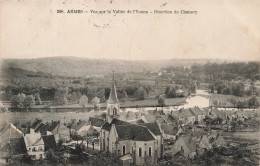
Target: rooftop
x,y
134,132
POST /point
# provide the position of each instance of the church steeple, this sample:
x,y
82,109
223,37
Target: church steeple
x,y
112,103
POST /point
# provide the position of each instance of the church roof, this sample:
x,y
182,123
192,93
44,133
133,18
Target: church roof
x,y
134,132
153,127
113,95
116,122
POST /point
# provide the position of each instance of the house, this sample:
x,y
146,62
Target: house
x,y
9,132
185,116
170,131
34,145
169,119
16,149
180,93
96,123
199,114
55,128
184,146
134,144
83,128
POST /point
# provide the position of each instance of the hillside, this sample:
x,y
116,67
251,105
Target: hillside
x,y
83,67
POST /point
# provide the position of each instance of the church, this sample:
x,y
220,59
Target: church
x,y
134,144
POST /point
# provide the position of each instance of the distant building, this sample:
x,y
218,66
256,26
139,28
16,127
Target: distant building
x,y
199,114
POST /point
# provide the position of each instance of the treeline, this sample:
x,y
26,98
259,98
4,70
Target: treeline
x,y
233,88
226,71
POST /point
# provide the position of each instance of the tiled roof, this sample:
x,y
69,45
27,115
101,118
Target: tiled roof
x,y
33,139
5,151
169,118
11,132
49,142
153,127
116,122
196,111
17,146
113,95
134,132
169,129
79,125
184,113
53,125
148,118
97,122
36,124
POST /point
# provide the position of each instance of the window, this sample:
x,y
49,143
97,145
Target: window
x,y
140,152
40,156
34,149
40,148
114,111
150,151
123,149
132,149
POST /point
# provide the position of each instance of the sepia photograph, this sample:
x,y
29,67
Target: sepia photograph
x,y
129,83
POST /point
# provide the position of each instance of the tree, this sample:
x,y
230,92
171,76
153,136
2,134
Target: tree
x,y
17,101
83,101
74,97
60,97
252,102
161,101
233,101
38,100
95,101
28,101
140,93
240,104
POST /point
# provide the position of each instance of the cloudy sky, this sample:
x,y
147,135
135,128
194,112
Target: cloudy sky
x,y
223,29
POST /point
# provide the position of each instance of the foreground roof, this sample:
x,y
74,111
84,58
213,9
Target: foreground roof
x,y
17,146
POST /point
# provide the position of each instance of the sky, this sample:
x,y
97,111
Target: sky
x,y
222,29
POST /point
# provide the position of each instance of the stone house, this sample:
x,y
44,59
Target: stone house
x,y
34,145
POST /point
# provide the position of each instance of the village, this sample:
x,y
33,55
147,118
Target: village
x,y
183,136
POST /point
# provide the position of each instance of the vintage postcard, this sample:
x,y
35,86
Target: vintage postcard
x,y
129,83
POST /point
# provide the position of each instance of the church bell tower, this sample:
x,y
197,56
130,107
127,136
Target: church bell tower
x,y
112,103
